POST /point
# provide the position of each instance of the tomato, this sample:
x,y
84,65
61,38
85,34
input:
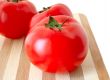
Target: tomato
x,y
15,18
57,9
58,43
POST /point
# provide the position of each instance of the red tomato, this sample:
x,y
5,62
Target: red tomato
x,y
15,18
58,44
57,9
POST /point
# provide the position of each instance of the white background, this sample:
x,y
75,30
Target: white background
x,y
98,15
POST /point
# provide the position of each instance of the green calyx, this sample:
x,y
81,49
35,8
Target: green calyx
x,y
53,24
15,0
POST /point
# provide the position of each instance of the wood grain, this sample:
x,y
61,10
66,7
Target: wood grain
x,y
48,76
23,69
13,61
35,73
100,67
4,55
77,74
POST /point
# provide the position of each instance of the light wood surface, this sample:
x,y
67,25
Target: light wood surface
x,y
14,64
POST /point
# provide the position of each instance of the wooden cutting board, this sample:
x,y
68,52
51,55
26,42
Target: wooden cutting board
x,y
14,64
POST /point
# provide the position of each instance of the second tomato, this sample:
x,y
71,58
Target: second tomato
x,y
57,9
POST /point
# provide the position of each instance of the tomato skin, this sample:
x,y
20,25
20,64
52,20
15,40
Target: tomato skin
x,y
15,18
57,9
52,50
1,1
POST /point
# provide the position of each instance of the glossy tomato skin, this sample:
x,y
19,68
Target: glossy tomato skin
x,y
57,9
15,18
52,50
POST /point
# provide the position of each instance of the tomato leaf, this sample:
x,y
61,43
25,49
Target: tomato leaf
x,y
53,23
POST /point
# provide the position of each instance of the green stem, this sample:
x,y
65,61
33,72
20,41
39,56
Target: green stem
x,y
54,24
15,0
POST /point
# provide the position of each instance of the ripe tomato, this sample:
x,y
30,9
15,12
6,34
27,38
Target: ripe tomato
x,y
15,18
57,9
59,43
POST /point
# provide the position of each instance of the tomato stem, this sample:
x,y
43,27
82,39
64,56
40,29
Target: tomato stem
x,y
54,24
15,0
44,9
